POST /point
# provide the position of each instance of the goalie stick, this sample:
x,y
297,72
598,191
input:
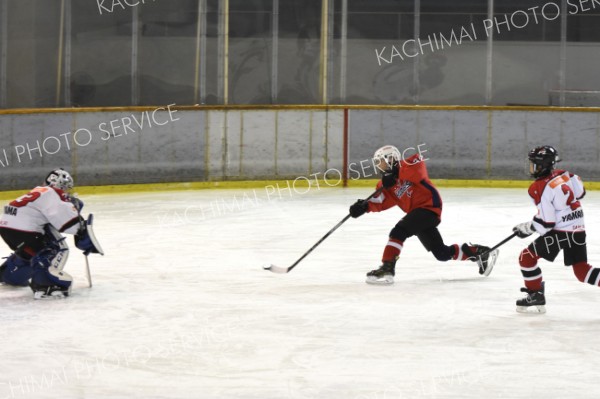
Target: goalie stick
x,y
283,270
88,274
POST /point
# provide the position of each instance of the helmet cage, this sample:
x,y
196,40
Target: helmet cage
x,y
388,156
60,178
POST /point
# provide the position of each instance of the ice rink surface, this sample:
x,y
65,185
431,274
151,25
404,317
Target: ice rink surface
x,y
181,307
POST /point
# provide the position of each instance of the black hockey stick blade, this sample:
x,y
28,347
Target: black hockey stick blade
x,y
493,255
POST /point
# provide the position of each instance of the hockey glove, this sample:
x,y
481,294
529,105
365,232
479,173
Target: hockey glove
x,y
524,229
77,203
388,180
84,242
359,208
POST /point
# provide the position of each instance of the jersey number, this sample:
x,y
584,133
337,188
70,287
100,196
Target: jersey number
x,y
29,197
574,204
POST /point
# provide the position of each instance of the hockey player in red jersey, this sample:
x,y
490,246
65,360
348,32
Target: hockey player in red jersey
x,y
406,184
32,225
560,223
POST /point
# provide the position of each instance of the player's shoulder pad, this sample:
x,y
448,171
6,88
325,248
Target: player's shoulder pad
x,y
412,160
537,189
61,194
574,176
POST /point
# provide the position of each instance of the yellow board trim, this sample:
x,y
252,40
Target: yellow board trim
x,y
465,183
281,184
298,107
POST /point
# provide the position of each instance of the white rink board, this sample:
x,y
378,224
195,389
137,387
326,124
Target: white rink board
x,y
181,308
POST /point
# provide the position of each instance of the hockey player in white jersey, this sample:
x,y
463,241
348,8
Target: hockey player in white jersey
x,y
560,223
32,225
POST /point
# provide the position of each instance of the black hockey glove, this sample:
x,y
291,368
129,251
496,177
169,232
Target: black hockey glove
x,y
524,230
359,208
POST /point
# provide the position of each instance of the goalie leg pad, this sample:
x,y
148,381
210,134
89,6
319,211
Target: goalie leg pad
x,y
16,271
49,279
50,283
56,253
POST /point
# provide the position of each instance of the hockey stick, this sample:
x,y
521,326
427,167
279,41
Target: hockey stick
x,y
507,239
283,270
88,274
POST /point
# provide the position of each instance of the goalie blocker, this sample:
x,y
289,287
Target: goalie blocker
x,y
86,240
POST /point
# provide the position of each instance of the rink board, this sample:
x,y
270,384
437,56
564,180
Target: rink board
x,y
196,144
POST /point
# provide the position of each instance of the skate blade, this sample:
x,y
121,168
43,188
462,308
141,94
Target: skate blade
x,y
52,296
493,256
386,280
532,309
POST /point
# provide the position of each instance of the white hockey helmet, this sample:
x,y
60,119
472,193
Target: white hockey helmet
x,y
386,158
60,178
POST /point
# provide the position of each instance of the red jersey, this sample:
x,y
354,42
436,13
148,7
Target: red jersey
x,y
413,190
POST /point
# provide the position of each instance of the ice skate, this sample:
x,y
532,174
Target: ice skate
x,y
50,292
533,303
479,253
382,276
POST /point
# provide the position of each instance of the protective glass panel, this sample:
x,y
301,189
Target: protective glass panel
x,y
299,52
379,68
250,51
3,45
209,71
582,86
167,52
101,55
526,52
32,48
452,52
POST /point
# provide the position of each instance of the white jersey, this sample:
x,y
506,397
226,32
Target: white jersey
x,y
41,206
557,199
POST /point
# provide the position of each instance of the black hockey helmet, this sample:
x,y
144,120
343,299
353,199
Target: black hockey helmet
x,y
542,160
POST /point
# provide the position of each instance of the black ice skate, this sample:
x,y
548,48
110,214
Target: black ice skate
x,y
49,292
382,276
479,253
534,301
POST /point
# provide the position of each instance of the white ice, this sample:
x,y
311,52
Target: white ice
x,y
181,307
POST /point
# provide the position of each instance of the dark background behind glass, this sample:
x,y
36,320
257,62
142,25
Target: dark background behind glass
x,y
100,60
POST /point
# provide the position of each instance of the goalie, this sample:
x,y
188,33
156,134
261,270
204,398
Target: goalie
x,y
406,184
32,225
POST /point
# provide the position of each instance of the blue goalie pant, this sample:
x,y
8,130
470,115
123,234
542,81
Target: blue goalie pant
x,y
42,271
16,271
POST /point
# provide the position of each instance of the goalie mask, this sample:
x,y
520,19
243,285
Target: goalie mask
x,y
386,158
61,179
542,160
